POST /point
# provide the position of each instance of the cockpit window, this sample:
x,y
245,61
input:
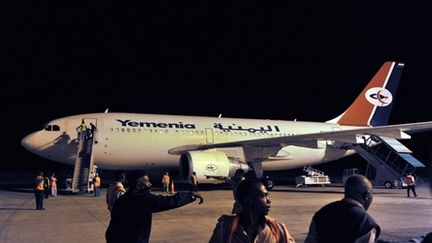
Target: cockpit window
x,y
52,128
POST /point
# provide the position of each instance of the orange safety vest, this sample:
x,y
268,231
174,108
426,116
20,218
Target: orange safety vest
x,y
97,181
40,183
166,179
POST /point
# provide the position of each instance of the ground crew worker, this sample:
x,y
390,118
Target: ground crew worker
x,y
410,181
96,184
53,182
165,182
115,190
39,190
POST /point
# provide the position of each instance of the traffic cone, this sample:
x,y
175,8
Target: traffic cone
x,y
172,191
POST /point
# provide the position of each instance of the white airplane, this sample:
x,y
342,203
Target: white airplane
x,y
217,148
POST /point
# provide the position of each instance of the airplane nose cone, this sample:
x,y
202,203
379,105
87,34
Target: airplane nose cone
x,y
28,142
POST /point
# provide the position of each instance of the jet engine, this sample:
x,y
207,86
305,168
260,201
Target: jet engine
x,y
210,166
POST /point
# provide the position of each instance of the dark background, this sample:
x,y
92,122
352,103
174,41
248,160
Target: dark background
x,y
271,60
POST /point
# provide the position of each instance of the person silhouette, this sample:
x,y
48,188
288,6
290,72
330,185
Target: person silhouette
x,y
252,224
131,216
346,220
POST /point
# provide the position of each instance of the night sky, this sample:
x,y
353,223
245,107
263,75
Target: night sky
x,y
259,59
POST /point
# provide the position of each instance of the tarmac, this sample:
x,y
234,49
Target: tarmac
x,y
84,218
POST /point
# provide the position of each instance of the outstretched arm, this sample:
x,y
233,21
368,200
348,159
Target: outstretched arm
x,y
158,203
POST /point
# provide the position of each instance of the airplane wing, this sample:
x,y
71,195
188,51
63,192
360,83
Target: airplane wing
x,y
351,135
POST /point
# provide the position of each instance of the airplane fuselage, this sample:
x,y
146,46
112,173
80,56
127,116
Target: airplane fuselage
x,y
142,141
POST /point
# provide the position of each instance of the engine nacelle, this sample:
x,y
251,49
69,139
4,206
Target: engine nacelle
x,y
209,166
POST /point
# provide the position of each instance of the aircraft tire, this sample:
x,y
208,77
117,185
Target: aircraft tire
x,y
388,185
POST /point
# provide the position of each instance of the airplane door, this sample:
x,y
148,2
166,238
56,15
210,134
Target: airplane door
x,y
94,131
72,124
209,136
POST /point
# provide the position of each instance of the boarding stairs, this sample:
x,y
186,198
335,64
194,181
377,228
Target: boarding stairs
x,y
83,164
388,161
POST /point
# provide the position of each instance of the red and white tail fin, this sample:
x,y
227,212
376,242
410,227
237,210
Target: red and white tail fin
x,y
373,106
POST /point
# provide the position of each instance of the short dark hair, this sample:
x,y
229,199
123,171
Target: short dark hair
x,y
356,185
247,188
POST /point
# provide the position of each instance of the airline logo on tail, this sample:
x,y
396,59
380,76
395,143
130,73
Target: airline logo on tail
x,y
373,106
379,96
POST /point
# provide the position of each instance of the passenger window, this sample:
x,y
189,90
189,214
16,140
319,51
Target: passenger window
x,y
55,128
48,128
